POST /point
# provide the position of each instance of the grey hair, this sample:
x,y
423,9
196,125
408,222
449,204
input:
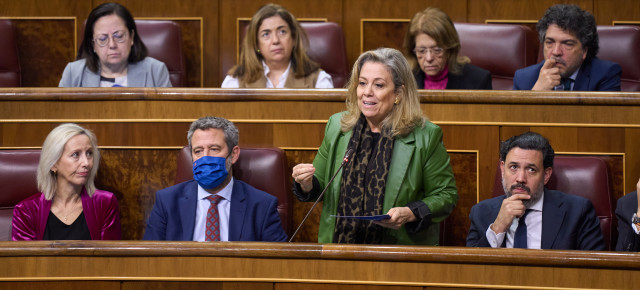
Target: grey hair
x,y
52,150
231,135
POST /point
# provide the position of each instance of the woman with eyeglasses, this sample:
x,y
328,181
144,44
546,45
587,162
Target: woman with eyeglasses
x,y
113,55
273,55
432,48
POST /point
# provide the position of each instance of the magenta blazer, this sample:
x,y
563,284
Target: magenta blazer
x,y
101,212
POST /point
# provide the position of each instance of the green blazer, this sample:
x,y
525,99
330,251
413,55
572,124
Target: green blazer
x,y
419,170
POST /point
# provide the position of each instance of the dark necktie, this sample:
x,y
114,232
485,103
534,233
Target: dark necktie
x,y
567,84
520,238
213,219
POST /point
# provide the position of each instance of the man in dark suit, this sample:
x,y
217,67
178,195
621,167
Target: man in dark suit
x,y
528,215
627,212
570,44
214,206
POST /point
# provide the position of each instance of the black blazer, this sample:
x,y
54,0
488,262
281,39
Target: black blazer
x,y
471,78
628,240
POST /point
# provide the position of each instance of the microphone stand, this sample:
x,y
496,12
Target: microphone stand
x,y
344,162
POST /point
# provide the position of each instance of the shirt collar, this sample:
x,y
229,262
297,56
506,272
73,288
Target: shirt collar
x,y
537,206
266,69
574,75
225,192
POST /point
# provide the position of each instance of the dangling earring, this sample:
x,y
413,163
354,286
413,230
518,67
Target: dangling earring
x,y
397,101
258,51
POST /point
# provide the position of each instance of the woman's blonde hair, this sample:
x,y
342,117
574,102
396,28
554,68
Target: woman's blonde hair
x,y
250,67
406,114
52,150
437,25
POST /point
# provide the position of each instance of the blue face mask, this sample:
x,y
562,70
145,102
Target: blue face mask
x,y
210,171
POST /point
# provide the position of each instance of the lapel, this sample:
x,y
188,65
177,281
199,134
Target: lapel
x,y
583,78
136,77
420,79
89,78
45,208
87,208
187,206
400,161
453,81
237,212
338,155
553,213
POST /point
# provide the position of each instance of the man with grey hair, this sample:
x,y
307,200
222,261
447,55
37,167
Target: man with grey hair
x,y
214,206
529,215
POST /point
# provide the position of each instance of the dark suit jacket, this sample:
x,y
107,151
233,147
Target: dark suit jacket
x,y
596,75
253,215
471,78
628,240
569,222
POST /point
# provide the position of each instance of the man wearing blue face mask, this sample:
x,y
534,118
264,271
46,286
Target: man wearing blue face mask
x,y
214,206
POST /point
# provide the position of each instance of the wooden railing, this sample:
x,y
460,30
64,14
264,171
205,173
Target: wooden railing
x,y
140,264
141,129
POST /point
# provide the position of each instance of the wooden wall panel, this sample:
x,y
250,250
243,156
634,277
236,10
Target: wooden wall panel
x,y
186,285
301,266
607,11
192,38
358,10
383,33
54,37
61,285
454,230
134,176
479,11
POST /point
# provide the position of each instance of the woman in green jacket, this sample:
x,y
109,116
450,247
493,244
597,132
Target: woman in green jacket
x,y
400,166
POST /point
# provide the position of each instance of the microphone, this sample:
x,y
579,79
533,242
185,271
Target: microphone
x,y
345,160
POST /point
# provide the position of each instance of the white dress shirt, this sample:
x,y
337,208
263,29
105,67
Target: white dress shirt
x,y
324,80
534,229
202,208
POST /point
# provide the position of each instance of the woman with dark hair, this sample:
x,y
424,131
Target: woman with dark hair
x,y
432,48
273,55
399,172
112,54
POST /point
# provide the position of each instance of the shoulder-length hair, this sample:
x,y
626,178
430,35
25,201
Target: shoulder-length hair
x,y
52,150
138,50
437,25
250,67
406,114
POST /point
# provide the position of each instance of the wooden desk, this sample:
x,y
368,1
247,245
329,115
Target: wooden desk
x,y
141,129
183,265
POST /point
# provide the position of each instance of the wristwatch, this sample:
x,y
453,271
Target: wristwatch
x,y
635,219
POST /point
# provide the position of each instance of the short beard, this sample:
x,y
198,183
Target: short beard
x,y
527,202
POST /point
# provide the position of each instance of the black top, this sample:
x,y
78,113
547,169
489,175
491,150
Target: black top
x,y
57,230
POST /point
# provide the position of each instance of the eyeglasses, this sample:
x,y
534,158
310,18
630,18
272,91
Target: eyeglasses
x,y
422,51
103,39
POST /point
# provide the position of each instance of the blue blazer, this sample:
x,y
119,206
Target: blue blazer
x,y
628,240
253,215
596,75
569,222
